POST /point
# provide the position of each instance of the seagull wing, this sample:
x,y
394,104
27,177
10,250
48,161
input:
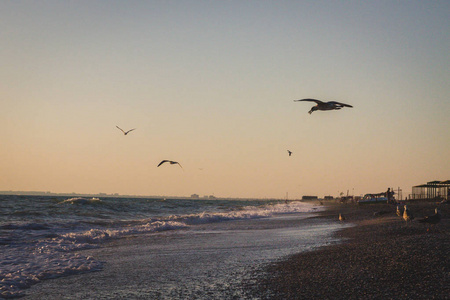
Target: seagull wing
x,y
311,100
164,161
339,103
130,130
120,129
179,165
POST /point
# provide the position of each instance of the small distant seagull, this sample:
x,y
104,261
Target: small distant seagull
x,y
399,212
407,215
433,219
125,132
325,105
341,218
289,152
171,162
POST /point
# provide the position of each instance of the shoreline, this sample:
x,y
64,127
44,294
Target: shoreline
x,y
380,258
206,261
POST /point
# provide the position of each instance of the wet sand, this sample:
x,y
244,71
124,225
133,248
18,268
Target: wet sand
x,y
382,258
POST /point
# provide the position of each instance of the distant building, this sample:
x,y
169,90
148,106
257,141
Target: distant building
x,y
328,198
195,196
309,197
430,190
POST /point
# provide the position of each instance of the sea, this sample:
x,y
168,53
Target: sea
x,y
225,241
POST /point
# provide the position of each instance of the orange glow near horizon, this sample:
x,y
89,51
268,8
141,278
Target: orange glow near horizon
x,y
212,86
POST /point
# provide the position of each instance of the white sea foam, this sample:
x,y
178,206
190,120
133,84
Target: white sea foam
x,y
22,266
25,265
80,200
249,212
95,236
79,240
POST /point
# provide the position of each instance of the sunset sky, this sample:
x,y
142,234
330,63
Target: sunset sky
x,y
211,85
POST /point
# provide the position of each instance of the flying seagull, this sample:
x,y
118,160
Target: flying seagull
x,y
331,105
171,162
125,132
289,152
433,219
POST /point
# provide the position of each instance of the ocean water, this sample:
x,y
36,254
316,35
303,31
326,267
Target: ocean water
x,y
45,237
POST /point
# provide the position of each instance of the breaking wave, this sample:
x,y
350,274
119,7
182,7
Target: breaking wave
x,y
46,243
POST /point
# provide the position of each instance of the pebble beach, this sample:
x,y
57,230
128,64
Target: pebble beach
x,y
381,257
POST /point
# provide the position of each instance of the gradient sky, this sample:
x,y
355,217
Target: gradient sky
x,y
211,84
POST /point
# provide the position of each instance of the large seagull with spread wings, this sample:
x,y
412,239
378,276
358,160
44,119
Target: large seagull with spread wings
x,y
331,105
171,162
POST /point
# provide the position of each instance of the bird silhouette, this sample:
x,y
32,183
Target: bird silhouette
x,y
171,162
289,152
125,132
433,219
407,215
331,105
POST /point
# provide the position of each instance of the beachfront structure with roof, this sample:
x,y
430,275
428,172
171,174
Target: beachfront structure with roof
x,y
432,189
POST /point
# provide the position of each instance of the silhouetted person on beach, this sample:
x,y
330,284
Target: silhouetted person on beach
x,y
389,195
